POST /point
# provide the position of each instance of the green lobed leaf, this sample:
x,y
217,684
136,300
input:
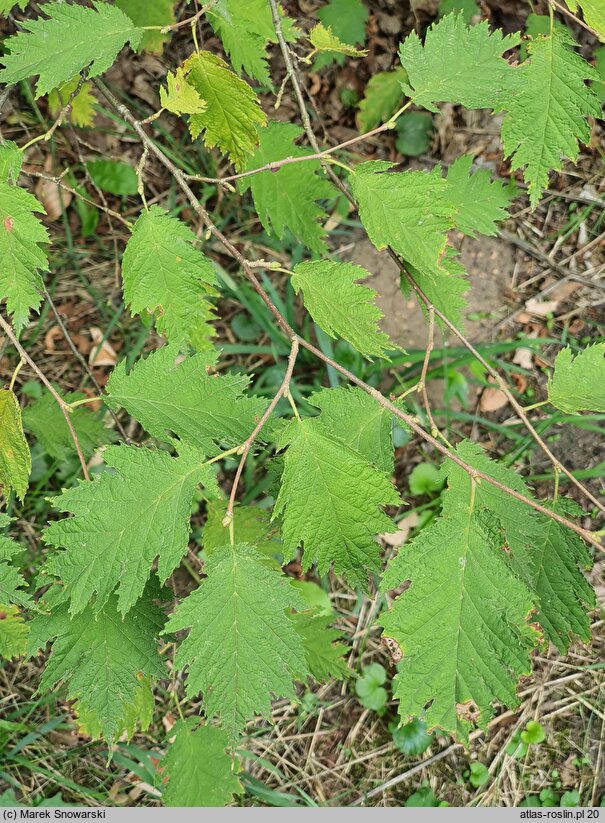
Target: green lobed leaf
x,y
11,582
199,769
414,131
341,306
547,113
7,5
21,238
324,654
409,211
463,623
59,47
578,382
467,8
184,400
233,111
287,198
330,499
480,202
548,557
11,159
114,177
15,458
102,658
351,415
45,420
459,64
241,647
382,97
149,13
347,19
123,520
165,274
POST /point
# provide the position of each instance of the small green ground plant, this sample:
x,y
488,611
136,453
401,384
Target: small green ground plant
x,y
494,576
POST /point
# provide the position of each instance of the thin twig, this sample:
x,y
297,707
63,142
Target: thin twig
x,y
425,365
560,7
62,404
281,392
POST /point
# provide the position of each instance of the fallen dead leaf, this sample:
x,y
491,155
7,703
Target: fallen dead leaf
x,y
102,352
541,308
524,357
49,339
492,399
51,195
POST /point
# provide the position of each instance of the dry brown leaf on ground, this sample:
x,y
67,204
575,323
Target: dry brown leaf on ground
x,y
102,352
53,197
492,399
399,537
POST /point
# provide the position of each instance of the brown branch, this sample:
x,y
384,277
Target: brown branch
x,y
62,404
289,331
281,392
560,7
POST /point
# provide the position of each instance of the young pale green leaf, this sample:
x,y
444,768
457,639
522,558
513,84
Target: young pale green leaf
x,y
323,39
11,582
61,46
325,656
180,97
184,400
547,556
102,657
21,238
13,632
577,383
81,109
351,415
382,97
241,646
45,420
163,273
341,306
547,113
15,459
459,64
198,767
347,19
11,158
287,198
409,211
123,521
245,28
594,14
463,624
330,499
233,111
251,525
480,202
149,13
